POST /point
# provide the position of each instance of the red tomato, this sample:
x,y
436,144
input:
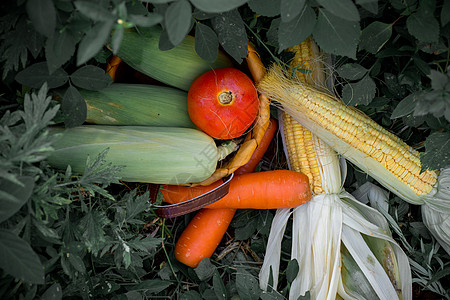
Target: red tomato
x,y
223,103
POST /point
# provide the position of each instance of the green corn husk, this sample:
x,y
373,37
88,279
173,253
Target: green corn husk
x,y
177,67
163,155
137,104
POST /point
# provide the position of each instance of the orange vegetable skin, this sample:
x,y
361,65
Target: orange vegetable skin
x,y
204,232
261,190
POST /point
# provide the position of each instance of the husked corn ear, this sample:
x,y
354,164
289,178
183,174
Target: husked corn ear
x,y
352,134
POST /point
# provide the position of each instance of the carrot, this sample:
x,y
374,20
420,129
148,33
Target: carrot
x,y
204,232
261,190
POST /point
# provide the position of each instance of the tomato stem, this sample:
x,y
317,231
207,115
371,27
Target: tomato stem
x,y
225,98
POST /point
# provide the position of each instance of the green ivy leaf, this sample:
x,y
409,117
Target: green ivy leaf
x,y
423,25
231,33
352,71
219,287
94,11
267,8
35,75
93,41
361,92
178,21
292,270
59,49
42,14
206,42
74,107
369,5
247,285
336,35
14,196
296,31
289,9
54,292
205,269
18,258
344,9
436,153
375,36
91,78
406,106
217,6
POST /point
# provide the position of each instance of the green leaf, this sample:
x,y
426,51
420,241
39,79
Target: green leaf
x,y
289,9
206,42
292,270
267,8
54,292
42,14
344,9
352,71
74,107
44,229
146,21
18,259
178,21
191,295
406,106
445,13
247,285
117,38
59,49
436,153
76,262
94,11
205,269
423,25
14,196
93,234
35,75
361,92
91,78
217,6
151,286
231,33
296,31
219,287
369,5
93,41
336,35
375,36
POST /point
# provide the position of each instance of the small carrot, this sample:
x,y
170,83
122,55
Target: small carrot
x,y
204,232
261,190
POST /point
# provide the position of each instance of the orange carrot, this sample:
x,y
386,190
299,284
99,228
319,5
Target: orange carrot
x,y
261,190
204,232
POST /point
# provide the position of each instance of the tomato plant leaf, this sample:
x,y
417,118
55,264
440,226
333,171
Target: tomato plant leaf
x,y
91,78
344,9
206,42
360,92
42,14
54,292
289,9
406,106
73,107
336,35
14,196
18,258
369,5
217,6
93,41
296,31
352,71
178,21
94,11
231,33
423,25
436,153
375,36
35,75
59,49
267,8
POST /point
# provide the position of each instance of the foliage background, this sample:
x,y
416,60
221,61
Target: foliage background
x,y
93,236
